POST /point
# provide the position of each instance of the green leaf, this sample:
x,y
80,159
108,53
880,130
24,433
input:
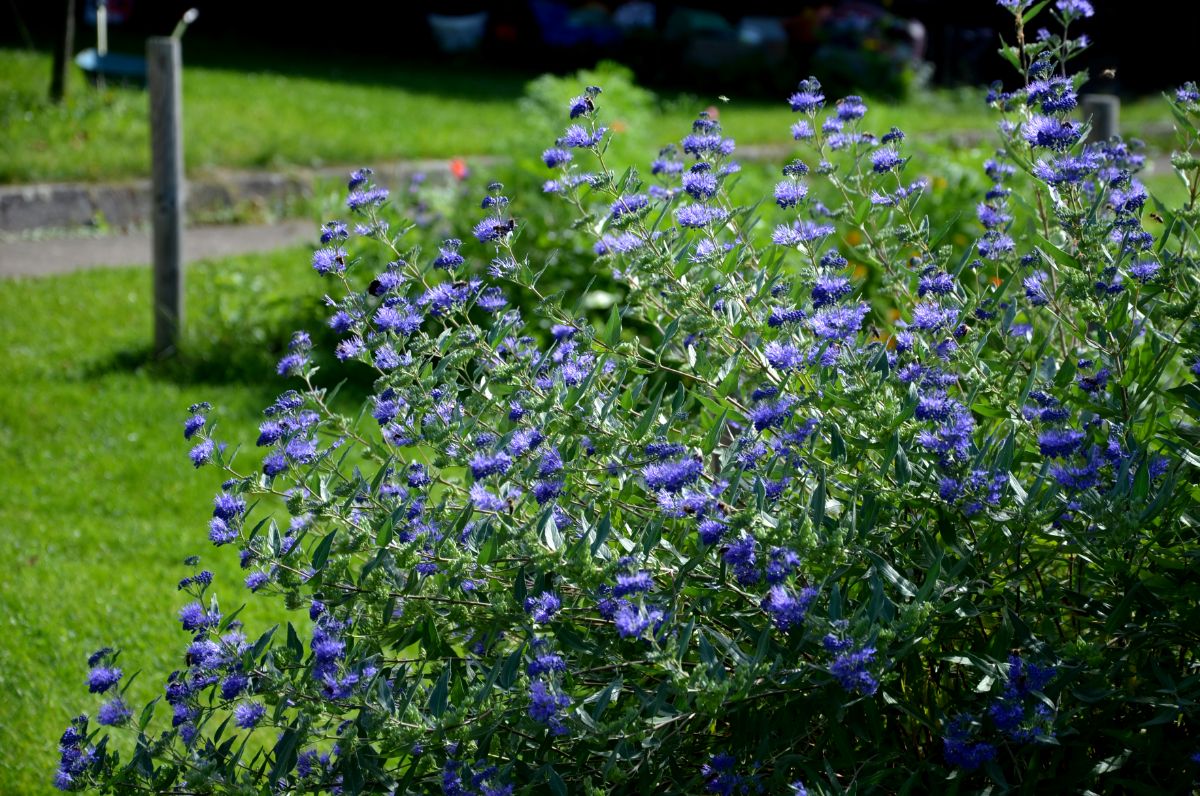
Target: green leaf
x,y
440,694
293,643
605,697
603,529
352,776
321,554
906,586
548,530
1056,254
519,589
147,713
649,415
730,382
284,753
612,330
1010,54
714,434
903,471
259,646
1028,16
489,549
816,504
557,786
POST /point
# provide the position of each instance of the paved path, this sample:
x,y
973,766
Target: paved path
x,y
62,255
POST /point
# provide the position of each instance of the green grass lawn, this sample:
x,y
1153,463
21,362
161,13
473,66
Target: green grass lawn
x,y
249,110
100,501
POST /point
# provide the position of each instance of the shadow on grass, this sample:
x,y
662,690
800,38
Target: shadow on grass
x,y
242,362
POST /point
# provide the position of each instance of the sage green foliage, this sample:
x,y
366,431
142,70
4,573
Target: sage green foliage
x,y
1093,581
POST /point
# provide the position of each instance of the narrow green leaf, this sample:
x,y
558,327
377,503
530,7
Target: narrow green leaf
x,y
440,694
321,554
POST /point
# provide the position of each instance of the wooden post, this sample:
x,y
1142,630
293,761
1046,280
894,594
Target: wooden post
x,y
64,49
164,73
1104,112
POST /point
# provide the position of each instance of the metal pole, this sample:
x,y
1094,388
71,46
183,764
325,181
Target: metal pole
x,y
1104,112
164,73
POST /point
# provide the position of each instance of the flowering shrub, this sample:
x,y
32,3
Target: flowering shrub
x,y
823,503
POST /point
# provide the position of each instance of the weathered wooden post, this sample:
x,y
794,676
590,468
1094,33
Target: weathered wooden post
x,y
64,48
164,79
1104,112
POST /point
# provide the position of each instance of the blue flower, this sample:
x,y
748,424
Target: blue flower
x,y
839,323
578,137
628,205
545,491
556,157
800,232
334,230
371,197
448,256
787,609
581,105
220,533
829,289
486,464
781,315
329,260
789,193
543,607
634,583
696,216
802,130
783,356
1056,94
492,228
274,464
809,98
114,712
192,425
672,476
742,556
700,183
1051,133
546,663
1075,9
960,750
938,282
633,621
930,316
102,678
1059,443
994,245
545,705
202,453
247,715
233,685
885,159
194,617
770,414
850,669
851,108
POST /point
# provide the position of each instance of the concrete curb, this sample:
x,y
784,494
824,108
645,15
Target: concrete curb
x,y
127,204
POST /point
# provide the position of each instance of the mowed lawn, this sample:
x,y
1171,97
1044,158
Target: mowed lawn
x,y
270,110
100,503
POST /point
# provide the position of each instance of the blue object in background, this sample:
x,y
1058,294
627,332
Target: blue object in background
x,y
112,66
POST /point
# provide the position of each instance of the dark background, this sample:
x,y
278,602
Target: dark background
x,y
1144,42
